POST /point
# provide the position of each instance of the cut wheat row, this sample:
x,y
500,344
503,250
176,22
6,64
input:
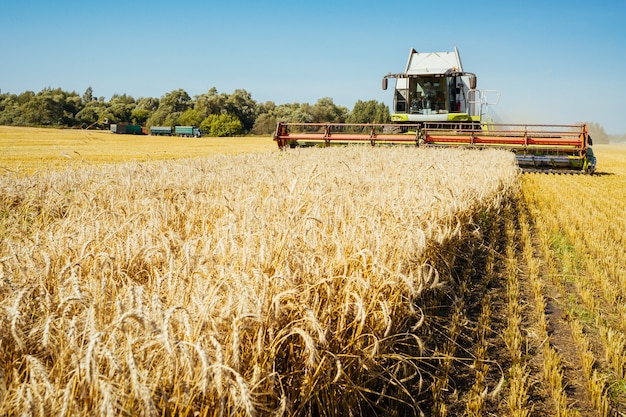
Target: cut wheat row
x,y
584,249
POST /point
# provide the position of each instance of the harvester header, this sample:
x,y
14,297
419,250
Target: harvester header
x,y
437,103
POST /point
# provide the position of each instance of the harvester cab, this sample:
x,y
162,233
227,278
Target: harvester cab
x,y
434,88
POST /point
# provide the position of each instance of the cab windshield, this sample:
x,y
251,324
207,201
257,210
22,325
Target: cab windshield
x,y
428,95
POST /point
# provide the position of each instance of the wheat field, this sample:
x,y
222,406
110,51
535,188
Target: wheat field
x,y
341,281
29,150
279,283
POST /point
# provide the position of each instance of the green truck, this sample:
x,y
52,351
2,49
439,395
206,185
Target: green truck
x,y
188,131
161,130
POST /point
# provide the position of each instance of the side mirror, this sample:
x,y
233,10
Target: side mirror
x,y
385,82
472,82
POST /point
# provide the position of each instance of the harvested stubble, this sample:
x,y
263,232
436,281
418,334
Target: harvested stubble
x,y
582,240
294,283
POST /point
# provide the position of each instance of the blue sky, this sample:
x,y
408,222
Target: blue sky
x,y
551,61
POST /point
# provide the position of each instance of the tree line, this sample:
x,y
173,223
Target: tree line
x,y
217,114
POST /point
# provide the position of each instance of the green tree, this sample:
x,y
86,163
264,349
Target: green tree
x,y
25,97
325,110
294,112
190,117
176,101
44,109
157,118
143,110
121,108
88,116
171,119
171,107
241,105
369,112
93,114
9,109
264,124
87,95
267,107
221,125
148,103
139,116
210,102
73,104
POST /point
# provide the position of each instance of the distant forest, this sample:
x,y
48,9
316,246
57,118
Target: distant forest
x,y
217,114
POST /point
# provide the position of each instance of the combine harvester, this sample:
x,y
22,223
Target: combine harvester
x,y
436,103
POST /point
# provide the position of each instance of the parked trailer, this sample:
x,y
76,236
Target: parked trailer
x,y
161,130
188,131
124,129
